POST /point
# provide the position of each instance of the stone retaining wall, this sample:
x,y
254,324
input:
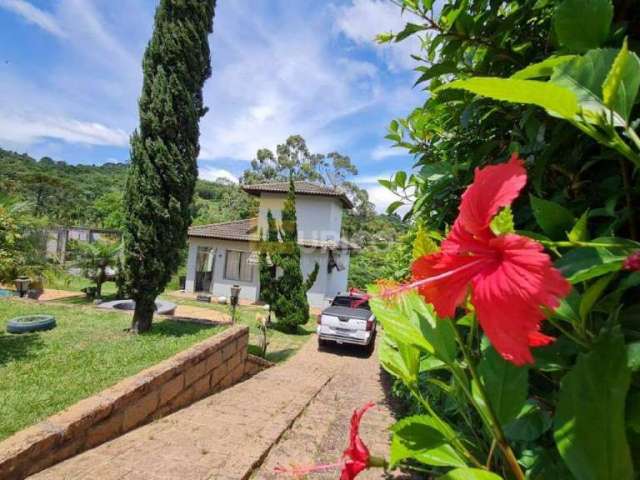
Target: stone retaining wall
x,y
205,368
255,364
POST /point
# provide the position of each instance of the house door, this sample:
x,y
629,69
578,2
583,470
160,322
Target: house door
x,y
205,263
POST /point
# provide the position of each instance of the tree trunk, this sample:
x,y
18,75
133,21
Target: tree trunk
x,y
99,282
143,315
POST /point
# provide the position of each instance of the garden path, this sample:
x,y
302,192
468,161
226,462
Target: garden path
x,y
297,412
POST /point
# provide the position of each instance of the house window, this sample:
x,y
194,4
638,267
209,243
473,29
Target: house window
x,y
237,266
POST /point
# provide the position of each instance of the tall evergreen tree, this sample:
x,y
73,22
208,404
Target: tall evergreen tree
x,y
287,292
162,179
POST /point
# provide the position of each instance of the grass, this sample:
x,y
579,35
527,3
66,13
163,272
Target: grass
x,y
66,281
282,345
45,372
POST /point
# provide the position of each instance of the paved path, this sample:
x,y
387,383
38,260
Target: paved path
x,y
206,315
297,412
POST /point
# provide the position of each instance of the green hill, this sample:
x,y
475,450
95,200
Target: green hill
x,y
91,195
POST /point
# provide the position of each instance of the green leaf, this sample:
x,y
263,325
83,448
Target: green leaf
x,y
419,438
589,428
633,356
436,71
423,244
580,232
397,325
584,76
400,360
620,88
502,223
543,68
583,264
393,206
583,24
505,384
437,332
400,178
469,474
558,356
569,308
409,30
531,422
592,294
553,218
553,98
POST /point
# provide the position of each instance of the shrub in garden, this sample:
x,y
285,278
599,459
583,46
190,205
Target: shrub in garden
x,y
281,281
95,259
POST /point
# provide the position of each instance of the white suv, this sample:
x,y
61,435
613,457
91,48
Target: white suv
x,y
348,320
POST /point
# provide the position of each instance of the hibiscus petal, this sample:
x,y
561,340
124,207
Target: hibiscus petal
x,y
351,469
357,450
448,279
509,295
493,187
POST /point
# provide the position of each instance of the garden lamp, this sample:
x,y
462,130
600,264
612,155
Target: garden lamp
x,y
235,297
22,285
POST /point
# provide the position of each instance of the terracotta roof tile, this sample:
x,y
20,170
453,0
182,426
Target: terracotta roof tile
x,y
246,230
238,230
302,188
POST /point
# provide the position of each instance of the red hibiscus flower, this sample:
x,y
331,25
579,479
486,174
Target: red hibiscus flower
x,y
632,262
356,457
357,454
510,276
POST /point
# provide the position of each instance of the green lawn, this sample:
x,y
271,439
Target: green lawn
x,y
43,373
281,345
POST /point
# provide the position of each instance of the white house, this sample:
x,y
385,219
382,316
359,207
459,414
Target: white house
x,y
225,254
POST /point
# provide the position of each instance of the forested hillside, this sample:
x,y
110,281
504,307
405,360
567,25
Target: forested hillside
x,y
91,195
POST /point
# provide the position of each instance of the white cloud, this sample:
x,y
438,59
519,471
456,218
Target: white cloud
x,y
373,179
382,198
362,20
25,130
381,152
34,15
278,81
213,174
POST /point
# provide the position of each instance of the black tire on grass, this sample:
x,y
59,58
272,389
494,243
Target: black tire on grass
x,y
31,323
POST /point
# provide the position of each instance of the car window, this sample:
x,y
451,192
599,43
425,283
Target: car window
x,y
350,302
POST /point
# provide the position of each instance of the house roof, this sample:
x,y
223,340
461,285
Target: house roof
x,y
247,230
239,230
301,188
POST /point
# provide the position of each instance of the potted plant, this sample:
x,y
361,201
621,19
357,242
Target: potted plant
x,y
36,288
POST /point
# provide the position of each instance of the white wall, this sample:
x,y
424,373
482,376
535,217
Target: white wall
x,y
337,280
221,286
327,285
319,218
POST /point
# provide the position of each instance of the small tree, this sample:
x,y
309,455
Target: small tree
x,y
95,258
164,150
20,244
286,293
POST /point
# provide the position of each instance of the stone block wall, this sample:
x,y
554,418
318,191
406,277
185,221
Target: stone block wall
x,y
208,367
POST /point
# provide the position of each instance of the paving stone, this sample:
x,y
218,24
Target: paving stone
x,y
296,412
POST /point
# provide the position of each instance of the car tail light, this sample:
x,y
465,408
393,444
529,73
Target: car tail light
x,y
370,324
319,319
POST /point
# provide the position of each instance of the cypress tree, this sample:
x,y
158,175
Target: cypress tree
x,y
288,292
164,150
266,266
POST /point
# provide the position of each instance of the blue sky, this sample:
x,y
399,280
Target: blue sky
x,y
70,77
